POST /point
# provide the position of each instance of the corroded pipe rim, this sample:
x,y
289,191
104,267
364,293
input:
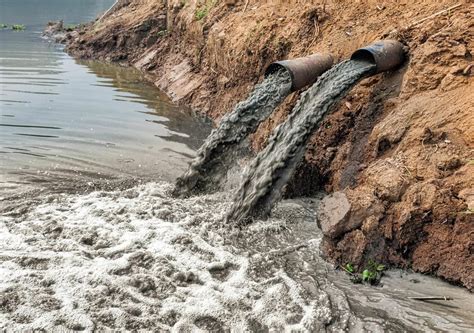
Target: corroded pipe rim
x,y
386,54
303,71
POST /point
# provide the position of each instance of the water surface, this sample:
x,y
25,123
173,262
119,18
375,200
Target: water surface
x,y
62,120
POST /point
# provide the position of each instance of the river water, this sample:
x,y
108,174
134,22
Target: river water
x,y
63,120
90,238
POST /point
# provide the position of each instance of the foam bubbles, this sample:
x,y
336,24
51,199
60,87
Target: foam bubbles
x,y
139,259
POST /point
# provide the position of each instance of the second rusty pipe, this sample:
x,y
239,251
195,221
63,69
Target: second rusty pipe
x,y
303,71
384,54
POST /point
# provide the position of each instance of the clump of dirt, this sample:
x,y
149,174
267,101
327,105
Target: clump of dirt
x,y
399,147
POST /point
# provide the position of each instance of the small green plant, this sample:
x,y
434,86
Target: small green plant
x,y
162,33
18,27
201,13
350,268
372,273
3,26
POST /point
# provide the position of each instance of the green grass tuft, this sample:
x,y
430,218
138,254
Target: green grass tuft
x,y
372,273
201,13
18,27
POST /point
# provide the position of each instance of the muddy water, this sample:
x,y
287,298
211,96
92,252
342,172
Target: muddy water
x,y
221,148
140,259
272,168
64,122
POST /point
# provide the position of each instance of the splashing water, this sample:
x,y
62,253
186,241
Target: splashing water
x,y
269,172
217,153
139,259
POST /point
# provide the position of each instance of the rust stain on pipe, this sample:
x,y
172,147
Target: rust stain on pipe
x,y
303,71
385,54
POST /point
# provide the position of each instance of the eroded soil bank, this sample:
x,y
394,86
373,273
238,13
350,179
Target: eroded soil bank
x,y
397,154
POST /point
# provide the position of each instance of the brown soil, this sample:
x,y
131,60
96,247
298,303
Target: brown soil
x,y
400,147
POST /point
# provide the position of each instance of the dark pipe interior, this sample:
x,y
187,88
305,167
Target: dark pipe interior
x,y
273,68
364,55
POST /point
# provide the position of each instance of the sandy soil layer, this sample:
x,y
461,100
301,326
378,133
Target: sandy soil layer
x,y
399,149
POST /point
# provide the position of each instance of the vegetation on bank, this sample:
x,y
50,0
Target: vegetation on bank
x,y
16,27
372,273
71,27
203,10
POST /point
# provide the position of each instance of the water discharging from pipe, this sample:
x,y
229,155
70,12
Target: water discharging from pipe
x,y
267,174
216,154
222,147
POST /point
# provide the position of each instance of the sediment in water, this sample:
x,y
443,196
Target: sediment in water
x,y
138,259
269,172
215,156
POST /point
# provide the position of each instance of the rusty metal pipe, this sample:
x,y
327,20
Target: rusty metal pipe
x,y
385,54
303,71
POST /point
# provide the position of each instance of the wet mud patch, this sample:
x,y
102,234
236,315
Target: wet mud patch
x,y
9,300
32,263
209,324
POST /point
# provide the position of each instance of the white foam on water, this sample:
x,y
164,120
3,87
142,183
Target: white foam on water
x,y
139,259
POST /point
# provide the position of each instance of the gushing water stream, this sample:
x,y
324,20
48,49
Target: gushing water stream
x,y
216,154
269,172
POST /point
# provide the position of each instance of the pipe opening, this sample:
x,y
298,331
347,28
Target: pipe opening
x,y
386,55
275,67
364,55
303,71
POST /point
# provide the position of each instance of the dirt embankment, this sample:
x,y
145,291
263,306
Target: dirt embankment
x,y
398,151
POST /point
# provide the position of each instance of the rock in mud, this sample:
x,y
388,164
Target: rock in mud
x,y
55,31
334,214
